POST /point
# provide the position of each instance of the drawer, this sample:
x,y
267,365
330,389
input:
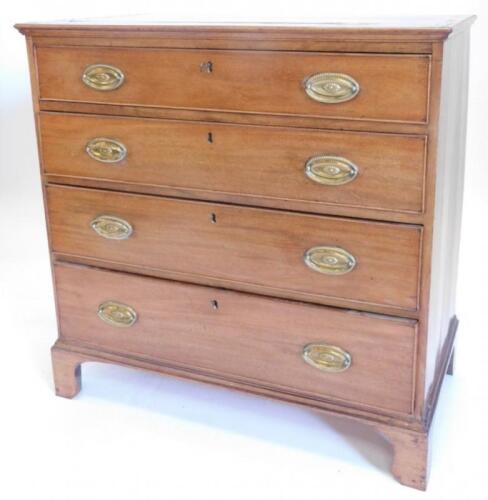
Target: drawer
x,y
350,86
301,256
244,338
319,168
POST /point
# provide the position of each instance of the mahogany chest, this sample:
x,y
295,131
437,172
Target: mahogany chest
x,y
272,208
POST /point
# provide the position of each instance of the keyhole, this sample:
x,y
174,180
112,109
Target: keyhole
x,y
206,67
213,218
210,138
215,304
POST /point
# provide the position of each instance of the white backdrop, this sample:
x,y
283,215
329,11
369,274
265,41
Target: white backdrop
x,y
140,436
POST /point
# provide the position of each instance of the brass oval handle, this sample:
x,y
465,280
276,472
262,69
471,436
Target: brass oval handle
x,y
111,227
331,88
117,314
331,170
327,358
106,150
329,260
103,77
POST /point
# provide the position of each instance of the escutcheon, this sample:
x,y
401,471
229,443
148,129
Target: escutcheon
x,y
103,77
106,150
331,88
330,170
111,227
117,314
329,260
327,358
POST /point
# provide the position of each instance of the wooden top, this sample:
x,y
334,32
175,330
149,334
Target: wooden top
x,y
404,28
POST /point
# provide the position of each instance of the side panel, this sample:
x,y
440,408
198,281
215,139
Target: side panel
x,y
448,200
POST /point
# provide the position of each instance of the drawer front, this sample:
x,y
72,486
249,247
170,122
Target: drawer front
x,y
377,171
354,86
361,261
241,337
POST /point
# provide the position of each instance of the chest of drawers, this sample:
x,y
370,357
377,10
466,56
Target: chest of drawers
x,y
271,208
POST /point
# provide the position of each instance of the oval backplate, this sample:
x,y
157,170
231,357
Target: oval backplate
x,y
103,77
331,88
111,227
331,170
329,260
327,358
106,150
117,314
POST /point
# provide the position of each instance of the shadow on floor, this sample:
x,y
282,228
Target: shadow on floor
x,y
239,413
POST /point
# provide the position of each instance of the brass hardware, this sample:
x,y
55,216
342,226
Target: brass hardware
x,y
330,170
117,314
327,358
111,227
106,150
206,67
331,88
103,77
329,260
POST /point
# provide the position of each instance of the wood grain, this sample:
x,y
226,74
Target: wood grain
x,y
391,30
175,40
81,353
393,87
410,464
413,92
243,161
237,117
229,333
263,247
67,373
